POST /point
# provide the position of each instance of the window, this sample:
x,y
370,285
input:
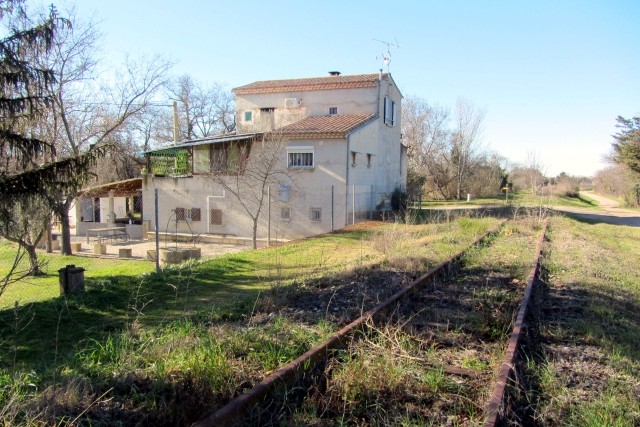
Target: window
x,y
353,158
180,214
195,214
183,214
285,213
387,110
283,193
333,111
248,116
369,155
215,217
300,157
201,159
315,214
229,157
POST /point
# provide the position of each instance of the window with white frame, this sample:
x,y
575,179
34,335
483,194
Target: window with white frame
x,y
300,157
315,214
333,111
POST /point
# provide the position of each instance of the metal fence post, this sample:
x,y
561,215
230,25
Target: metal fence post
x,y
332,209
353,206
157,235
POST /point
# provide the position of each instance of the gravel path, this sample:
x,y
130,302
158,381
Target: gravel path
x,y
609,212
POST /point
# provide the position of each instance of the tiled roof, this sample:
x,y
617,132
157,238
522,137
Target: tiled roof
x,y
329,127
314,83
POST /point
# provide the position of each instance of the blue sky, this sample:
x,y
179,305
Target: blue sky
x,y
551,75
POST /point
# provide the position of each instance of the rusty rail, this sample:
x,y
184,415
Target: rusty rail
x,y
238,408
495,409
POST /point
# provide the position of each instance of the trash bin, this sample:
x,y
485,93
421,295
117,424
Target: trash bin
x,y
71,279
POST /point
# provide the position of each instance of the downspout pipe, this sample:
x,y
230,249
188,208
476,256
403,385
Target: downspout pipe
x,y
379,89
346,184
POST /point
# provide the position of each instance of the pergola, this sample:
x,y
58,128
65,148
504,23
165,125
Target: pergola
x,y
127,188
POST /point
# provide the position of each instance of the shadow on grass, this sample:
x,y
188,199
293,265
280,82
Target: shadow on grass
x,y
585,316
38,334
594,218
575,318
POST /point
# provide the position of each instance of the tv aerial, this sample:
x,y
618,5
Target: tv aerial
x,y
386,56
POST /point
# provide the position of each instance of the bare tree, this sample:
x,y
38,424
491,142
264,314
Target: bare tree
x,y
425,132
25,224
247,170
442,156
534,170
488,176
203,111
86,115
466,144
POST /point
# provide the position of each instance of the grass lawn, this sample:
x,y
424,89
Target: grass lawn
x,y
35,289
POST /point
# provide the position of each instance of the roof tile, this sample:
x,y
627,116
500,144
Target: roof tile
x,y
308,84
330,127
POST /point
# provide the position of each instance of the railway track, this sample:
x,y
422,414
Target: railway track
x,y
441,349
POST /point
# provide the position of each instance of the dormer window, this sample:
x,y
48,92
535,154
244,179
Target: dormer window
x,y
333,111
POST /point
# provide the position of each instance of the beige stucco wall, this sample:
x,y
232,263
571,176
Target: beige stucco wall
x,y
330,186
312,103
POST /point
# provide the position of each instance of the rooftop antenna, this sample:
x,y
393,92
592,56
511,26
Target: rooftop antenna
x,y
386,56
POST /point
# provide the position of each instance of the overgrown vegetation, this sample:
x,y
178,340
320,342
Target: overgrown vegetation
x,y
434,362
590,372
165,348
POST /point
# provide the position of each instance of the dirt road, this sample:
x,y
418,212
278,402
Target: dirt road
x,y
610,212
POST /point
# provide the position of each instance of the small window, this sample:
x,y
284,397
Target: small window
x,y
353,158
285,213
215,217
180,214
315,214
248,116
333,111
195,214
369,160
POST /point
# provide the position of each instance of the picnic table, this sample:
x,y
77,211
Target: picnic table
x,y
108,233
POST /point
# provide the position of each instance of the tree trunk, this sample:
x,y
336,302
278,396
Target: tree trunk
x,y
33,259
255,232
49,237
65,228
